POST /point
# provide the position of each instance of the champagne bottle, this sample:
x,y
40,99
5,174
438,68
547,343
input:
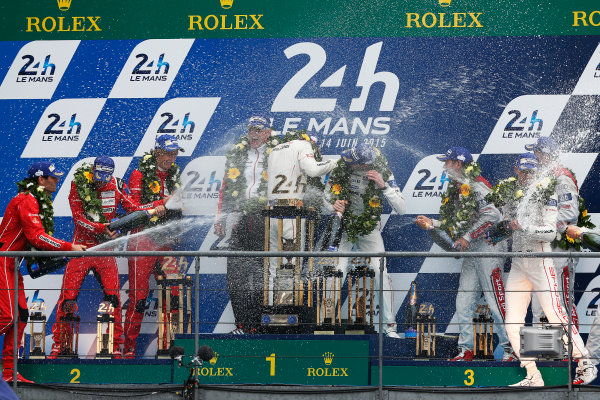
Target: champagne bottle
x,y
39,266
130,221
591,241
412,311
333,234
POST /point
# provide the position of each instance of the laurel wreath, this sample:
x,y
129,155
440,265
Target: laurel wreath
x,y
235,178
459,206
84,184
366,222
151,187
44,200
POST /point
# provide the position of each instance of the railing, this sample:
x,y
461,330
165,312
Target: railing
x,y
198,255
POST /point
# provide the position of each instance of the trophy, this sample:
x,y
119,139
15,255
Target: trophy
x,y
69,330
37,318
360,286
174,309
288,312
426,331
411,312
328,291
483,333
105,341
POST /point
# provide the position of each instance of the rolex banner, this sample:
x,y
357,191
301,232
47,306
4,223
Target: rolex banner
x,y
81,79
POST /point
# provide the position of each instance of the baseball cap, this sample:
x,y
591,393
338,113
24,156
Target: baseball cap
x,y
361,154
259,121
167,143
457,153
527,162
103,169
45,168
544,145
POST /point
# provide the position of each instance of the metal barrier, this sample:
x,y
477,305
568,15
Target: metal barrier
x,y
382,255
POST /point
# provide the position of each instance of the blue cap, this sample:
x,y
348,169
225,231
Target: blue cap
x,y
527,162
103,169
544,144
457,153
259,121
45,168
167,143
361,154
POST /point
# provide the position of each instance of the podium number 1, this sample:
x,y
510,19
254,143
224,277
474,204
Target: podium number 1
x,y
271,359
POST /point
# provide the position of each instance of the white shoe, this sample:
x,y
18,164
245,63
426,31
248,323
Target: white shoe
x,y
390,331
585,373
534,380
393,335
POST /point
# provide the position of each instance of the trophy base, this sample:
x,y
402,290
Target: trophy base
x,y
163,353
288,319
359,329
328,329
68,355
482,356
104,356
37,357
37,354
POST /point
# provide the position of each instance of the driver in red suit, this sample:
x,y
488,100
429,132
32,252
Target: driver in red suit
x,y
22,224
90,232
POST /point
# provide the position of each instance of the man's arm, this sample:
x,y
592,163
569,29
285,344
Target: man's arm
x,y
309,165
488,214
394,196
568,202
33,229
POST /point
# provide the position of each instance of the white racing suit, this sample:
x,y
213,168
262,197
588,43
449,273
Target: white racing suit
x,y
289,165
373,242
536,275
568,213
480,274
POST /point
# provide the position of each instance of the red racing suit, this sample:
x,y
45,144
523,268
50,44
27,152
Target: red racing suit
x,y
21,224
105,269
140,268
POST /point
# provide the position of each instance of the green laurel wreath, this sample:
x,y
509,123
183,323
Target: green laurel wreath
x,y
151,184
84,183
235,178
508,191
44,200
366,222
459,204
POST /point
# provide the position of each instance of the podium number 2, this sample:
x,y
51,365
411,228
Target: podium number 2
x,y
470,377
76,377
271,359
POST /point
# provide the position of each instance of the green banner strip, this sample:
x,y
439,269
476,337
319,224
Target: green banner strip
x,y
141,19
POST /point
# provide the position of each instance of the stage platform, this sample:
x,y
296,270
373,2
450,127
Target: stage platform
x,y
345,360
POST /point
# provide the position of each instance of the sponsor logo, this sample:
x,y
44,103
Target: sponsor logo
x,y
49,241
525,119
108,193
85,225
151,68
108,202
201,182
215,371
426,186
184,118
584,18
63,24
430,20
564,197
225,22
63,128
327,371
37,69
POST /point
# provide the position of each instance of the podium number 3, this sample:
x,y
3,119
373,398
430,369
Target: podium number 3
x,y
271,359
470,377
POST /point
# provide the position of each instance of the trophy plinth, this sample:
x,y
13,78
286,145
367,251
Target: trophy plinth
x,y
288,312
174,310
483,333
426,331
360,289
328,292
37,323
105,330
69,337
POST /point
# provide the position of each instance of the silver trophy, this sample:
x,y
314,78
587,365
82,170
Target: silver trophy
x,y
37,321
